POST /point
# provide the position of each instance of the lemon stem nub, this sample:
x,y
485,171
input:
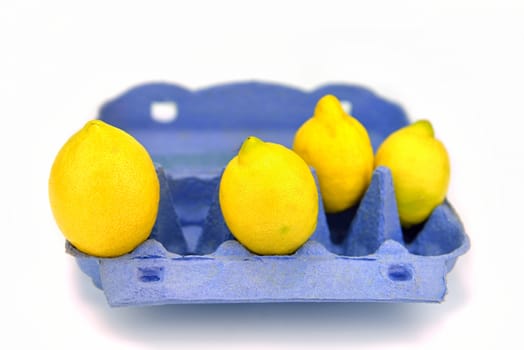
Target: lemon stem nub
x,y
328,107
423,127
247,146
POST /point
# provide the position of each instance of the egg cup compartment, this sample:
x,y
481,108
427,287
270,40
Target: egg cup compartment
x,y
191,257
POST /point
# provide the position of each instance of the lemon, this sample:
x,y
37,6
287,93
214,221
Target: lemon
x,y
420,168
269,198
339,149
104,191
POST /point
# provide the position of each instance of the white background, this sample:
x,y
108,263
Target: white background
x,y
457,63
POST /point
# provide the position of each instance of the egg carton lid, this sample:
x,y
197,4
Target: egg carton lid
x,y
362,254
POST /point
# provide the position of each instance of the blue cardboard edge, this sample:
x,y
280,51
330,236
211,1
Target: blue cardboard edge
x,y
262,105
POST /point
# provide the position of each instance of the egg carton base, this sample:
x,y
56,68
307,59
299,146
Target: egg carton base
x,y
372,263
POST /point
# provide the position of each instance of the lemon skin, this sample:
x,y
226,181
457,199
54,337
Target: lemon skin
x,y
104,191
420,168
269,198
338,147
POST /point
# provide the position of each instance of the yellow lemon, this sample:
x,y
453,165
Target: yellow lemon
x,y
269,198
420,168
339,149
104,191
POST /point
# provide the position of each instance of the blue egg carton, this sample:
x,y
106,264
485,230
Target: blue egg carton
x,y
361,254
